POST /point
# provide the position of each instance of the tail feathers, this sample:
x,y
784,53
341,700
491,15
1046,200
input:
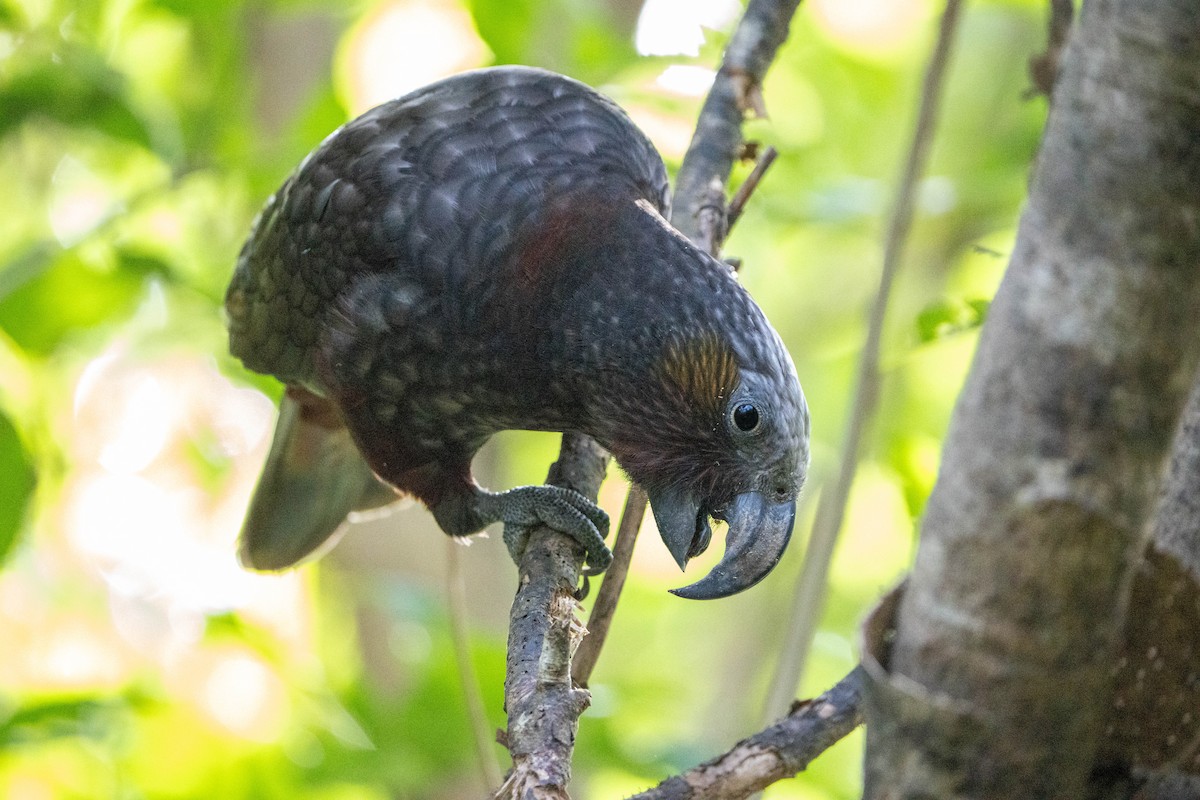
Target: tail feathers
x,y
314,477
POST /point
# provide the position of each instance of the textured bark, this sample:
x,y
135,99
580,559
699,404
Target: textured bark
x,y
542,703
1012,620
780,751
1154,721
717,142
1177,521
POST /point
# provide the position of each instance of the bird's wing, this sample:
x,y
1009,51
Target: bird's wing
x,y
313,478
432,189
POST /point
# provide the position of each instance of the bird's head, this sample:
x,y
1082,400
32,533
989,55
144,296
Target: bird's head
x,y
724,434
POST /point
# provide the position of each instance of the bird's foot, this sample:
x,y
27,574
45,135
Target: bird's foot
x,y
567,511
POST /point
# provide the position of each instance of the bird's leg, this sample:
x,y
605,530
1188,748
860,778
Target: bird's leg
x,y
523,509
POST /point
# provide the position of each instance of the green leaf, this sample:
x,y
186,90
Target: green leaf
x,y
197,9
505,27
949,317
578,39
138,264
16,487
80,90
95,717
68,296
10,18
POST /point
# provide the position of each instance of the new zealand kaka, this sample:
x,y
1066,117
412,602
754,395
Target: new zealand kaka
x,y
489,253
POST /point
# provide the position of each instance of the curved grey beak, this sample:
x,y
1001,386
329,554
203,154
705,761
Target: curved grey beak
x,y
681,522
759,531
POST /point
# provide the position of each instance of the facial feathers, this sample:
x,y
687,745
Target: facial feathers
x,y
699,374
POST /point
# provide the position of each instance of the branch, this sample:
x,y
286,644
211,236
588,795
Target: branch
x,y
1152,722
543,704
778,752
740,198
736,90
808,600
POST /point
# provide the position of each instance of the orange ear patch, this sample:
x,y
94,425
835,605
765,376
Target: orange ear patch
x,y
702,371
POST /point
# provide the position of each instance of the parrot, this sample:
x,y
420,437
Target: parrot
x,y
489,253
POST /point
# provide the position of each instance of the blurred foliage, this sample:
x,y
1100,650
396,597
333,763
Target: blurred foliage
x,y
16,486
139,137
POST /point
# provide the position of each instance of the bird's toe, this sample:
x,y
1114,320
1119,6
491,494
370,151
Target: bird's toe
x,y
564,510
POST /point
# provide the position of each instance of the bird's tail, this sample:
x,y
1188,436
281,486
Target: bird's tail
x,y
313,478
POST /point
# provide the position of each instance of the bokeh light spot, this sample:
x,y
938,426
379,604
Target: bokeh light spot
x,y
675,27
401,46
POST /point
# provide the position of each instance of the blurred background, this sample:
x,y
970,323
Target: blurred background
x,y
137,140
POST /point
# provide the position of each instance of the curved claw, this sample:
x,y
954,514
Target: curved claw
x,y
759,531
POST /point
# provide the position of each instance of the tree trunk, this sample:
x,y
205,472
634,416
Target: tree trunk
x,y
1001,670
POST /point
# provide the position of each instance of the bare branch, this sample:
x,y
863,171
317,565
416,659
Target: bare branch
x,y
808,600
737,88
710,217
543,704
738,204
778,752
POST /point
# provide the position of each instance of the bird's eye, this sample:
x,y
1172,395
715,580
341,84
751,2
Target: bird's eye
x,y
745,417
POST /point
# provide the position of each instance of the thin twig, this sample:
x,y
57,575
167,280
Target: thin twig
x,y
808,600
481,731
780,751
738,204
610,591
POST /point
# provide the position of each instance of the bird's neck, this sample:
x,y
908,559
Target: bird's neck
x,y
643,295
602,291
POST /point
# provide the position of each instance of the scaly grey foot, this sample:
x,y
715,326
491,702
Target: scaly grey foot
x,y
523,509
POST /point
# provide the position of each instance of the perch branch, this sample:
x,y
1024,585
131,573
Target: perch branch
x,y
737,89
542,703
777,752
831,508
